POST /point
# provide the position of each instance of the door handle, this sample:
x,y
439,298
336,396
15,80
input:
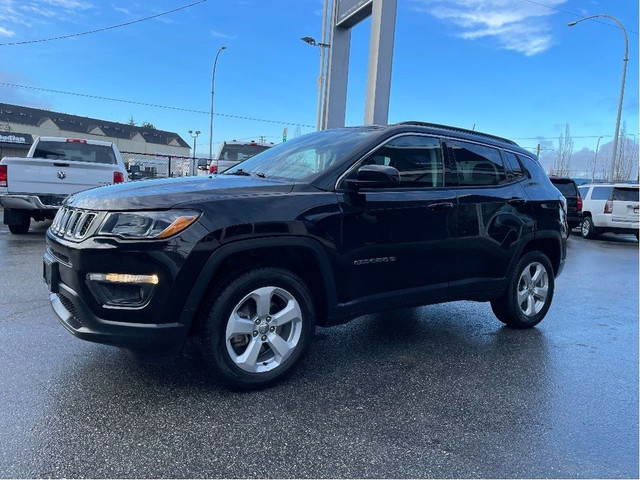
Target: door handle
x,y
439,206
516,201
60,164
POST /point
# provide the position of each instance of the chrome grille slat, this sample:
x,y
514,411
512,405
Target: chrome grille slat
x,y
72,223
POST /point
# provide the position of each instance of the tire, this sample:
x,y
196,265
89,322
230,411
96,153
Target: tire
x,y
529,293
22,226
587,229
249,344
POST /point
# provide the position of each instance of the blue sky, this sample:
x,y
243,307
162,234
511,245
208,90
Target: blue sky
x,y
509,67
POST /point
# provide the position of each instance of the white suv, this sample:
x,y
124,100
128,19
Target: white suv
x,y
609,208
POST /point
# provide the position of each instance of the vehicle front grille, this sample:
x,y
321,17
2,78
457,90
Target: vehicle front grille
x,y
72,223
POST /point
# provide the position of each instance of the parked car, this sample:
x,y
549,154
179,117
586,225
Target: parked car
x,y
33,187
316,231
233,152
609,208
569,189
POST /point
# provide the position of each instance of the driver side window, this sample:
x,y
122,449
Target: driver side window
x,y
417,158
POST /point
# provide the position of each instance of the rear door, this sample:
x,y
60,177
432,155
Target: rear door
x,y
625,205
493,213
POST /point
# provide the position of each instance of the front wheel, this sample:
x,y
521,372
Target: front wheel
x,y
258,328
529,293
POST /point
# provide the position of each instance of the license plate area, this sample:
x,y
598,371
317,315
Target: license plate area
x,y
50,274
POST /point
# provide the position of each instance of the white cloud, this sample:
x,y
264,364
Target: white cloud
x,y
520,26
217,34
6,33
17,14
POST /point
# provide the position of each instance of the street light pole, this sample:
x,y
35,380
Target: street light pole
x,y
311,41
213,78
194,135
625,60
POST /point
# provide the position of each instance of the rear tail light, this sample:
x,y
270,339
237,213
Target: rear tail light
x,y
213,169
579,203
4,176
76,140
118,177
608,207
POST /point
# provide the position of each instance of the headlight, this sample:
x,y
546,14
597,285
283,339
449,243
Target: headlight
x,y
147,225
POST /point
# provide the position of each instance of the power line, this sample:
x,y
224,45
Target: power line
x,y
551,7
155,105
104,28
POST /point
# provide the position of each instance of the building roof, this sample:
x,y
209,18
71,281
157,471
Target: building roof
x,y
83,125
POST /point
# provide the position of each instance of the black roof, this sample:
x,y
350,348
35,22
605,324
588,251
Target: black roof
x,y
84,125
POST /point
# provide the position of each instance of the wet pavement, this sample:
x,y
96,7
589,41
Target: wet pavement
x,y
439,391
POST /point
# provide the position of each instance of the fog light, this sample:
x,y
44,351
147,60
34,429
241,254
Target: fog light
x,y
122,278
122,290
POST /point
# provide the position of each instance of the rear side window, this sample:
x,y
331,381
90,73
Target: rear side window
x,y
75,152
477,165
625,194
515,170
601,193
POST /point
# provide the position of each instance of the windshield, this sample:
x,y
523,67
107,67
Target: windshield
x,y
238,152
75,152
306,157
567,188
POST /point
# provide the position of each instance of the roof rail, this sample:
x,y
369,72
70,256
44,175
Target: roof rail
x,y
456,129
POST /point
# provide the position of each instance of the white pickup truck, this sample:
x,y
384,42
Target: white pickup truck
x,y
35,186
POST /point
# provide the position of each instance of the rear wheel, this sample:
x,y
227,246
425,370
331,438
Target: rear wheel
x,y
18,221
257,329
529,293
587,229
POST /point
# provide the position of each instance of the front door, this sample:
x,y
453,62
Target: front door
x,y
399,237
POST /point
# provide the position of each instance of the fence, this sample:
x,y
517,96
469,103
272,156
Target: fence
x,y
151,165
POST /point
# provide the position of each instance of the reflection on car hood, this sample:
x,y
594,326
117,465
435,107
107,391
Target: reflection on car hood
x,y
169,192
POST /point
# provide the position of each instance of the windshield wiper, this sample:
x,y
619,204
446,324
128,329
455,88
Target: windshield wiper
x,y
239,172
246,174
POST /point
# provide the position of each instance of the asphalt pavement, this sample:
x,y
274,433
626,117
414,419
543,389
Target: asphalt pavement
x,y
440,391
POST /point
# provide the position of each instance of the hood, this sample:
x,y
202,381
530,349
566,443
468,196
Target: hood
x,y
166,193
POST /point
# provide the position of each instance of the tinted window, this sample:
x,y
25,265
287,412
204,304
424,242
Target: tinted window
x,y
477,164
568,189
583,191
625,194
239,152
512,163
75,152
601,193
418,159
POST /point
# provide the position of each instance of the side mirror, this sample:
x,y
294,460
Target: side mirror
x,y
375,176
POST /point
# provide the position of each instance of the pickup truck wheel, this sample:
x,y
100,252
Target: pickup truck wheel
x,y
20,223
587,229
529,293
257,329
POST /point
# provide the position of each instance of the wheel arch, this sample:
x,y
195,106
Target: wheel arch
x,y
550,246
304,257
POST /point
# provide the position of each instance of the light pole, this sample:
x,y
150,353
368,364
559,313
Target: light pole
x,y
213,78
311,41
595,159
625,60
194,135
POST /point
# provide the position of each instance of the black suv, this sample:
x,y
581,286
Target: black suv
x,y
315,231
569,190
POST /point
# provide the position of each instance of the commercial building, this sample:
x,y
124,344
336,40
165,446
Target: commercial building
x,y
20,125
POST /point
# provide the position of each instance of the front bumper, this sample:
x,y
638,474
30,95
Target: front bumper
x,y
158,324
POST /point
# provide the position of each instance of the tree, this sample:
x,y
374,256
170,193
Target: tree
x,y
626,156
146,124
562,163
131,121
